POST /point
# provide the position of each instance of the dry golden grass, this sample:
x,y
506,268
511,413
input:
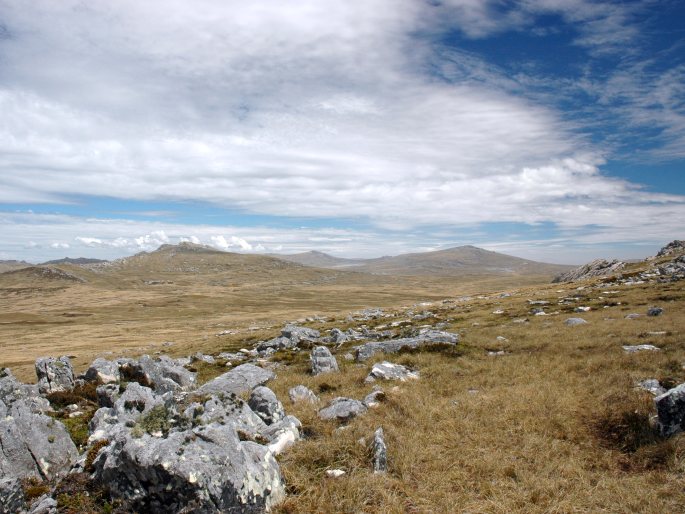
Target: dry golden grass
x,y
555,425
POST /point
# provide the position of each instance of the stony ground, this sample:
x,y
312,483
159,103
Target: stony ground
x,y
528,412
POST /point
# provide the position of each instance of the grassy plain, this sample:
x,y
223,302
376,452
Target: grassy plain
x,y
553,425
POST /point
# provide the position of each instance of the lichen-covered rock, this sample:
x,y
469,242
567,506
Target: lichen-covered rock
x,y
264,403
107,394
323,361
374,398
342,409
277,343
11,495
11,389
653,386
388,371
596,268
380,452
103,371
241,379
302,393
670,408
207,469
162,374
44,505
33,444
298,334
425,338
54,375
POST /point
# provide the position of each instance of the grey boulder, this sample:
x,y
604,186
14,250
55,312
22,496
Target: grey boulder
x,y
670,408
572,322
653,386
380,452
162,374
207,470
299,334
33,444
425,338
54,375
640,348
342,409
103,371
323,361
107,394
388,371
264,403
241,379
302,393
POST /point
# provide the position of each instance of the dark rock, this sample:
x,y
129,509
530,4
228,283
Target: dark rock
x,y
670,408
655,311
323,361
241,379
264,403
342,409
108,394
380,452
11,495
54,375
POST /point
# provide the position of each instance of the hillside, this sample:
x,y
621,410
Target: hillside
x,y
13,265
462,260
76,261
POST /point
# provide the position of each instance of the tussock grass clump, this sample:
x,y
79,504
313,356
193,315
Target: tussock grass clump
x,y
34,488
78,494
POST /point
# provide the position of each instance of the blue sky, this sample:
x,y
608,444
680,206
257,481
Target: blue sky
x,y
547,129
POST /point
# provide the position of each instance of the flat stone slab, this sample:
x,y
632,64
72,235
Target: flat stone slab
x,y
241,379
640,348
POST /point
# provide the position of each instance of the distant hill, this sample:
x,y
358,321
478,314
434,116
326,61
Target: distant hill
x,y
13,265
462,260
320,260
77,261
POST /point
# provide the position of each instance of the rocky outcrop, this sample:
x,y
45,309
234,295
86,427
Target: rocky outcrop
x,y
162,374
264,403
11,496
206,469
596,268
291,336
240,379
54,375
323,361
425,338
103,371
674,247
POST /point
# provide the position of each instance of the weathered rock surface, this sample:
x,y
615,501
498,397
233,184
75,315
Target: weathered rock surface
x,y
374,399
342,409
241,379
264,403
674,247
670,408
162,374
653,386
11,495
596,268
54,375
388,371
640,348
207,469
301,393
427,337
107,394
33,444
103,371
380,452
572,322
323,361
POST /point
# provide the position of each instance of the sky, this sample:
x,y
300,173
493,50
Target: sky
x,y
546,129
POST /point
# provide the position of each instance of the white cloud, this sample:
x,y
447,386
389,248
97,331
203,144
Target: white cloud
x,y
233,242
89,241
59,245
